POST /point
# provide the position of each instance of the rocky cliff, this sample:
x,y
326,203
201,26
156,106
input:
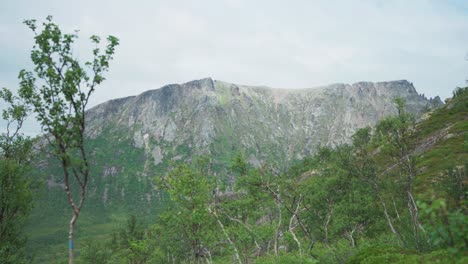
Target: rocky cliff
x,y
213,117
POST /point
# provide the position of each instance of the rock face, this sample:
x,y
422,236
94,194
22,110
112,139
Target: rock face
x,y
210,117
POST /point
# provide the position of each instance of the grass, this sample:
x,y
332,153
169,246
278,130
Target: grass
x,y
50,243
450,149
454,112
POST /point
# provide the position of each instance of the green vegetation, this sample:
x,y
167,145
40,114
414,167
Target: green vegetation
x,y
362,202
15,191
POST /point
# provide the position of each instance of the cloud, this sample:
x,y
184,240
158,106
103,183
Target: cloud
x,y
274,43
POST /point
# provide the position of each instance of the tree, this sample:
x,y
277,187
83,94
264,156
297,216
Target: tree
x,y
15,193
365,167
189,221
396,139
445,215
58,91
247,212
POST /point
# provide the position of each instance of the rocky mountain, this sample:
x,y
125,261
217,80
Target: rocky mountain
x,y
133,139
210,117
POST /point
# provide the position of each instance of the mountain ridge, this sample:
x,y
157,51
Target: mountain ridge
x,y
200,106
284,89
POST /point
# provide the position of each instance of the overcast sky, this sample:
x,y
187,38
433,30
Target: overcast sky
x,y
290,44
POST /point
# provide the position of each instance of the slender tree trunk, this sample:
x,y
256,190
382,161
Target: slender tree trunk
x,y
76,212
277,197
208,260
395,208
246,227
291,228
412,207
71,235
350,235
387,216
236,252
325,227
82,182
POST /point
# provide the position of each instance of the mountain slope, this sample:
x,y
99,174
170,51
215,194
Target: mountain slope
x,y
135,138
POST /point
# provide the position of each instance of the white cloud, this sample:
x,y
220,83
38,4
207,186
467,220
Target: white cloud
x,y
274,43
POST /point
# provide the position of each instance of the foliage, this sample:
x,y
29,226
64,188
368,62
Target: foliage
x,y
460,91
446,218
446,229
188,221
61,99
15,191
385,254
95,252
15,205
128,245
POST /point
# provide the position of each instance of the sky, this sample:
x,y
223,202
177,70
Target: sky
x,y
281,44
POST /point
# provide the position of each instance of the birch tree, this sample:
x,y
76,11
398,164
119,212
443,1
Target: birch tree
x,y
58,91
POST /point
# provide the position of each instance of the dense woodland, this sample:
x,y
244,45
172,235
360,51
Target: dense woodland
x,y
395,194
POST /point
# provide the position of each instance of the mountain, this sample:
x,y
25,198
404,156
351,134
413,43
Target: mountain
x,y
209,117
133,139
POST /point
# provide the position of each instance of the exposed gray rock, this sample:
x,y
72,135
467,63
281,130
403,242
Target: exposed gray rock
x,y
254,161
52,184
157,155
104,195
110,171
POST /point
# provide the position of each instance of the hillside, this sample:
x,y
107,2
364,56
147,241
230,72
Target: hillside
x,y
427,164
133,139
395,193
